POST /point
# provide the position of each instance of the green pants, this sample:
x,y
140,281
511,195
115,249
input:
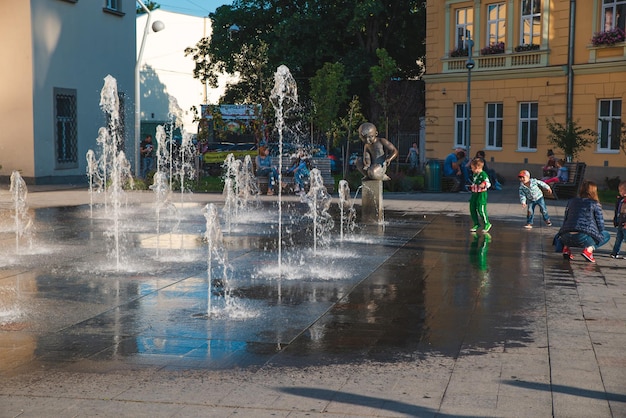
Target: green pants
x,y
478,208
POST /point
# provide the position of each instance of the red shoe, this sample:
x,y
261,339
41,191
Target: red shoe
x,y
567,254
588,255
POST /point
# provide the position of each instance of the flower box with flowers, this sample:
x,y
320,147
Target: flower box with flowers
x,y
526,47
609,37
459,52
493,49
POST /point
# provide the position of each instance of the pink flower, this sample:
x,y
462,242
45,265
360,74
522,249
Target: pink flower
x,y
610,37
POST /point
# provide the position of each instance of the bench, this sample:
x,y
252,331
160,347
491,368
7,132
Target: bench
x,y
321,163
576,172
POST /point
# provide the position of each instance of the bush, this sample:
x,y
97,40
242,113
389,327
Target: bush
x,y
400,182
612,183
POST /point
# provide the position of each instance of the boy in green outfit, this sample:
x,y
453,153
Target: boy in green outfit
x,y
478,200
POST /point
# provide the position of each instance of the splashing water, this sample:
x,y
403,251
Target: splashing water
x,y
104,161
247,182
162,154
319,201
346,208
120,176
23,221
231,192
185,169
284,93
161,191
175,115
214,238
113,160
93,176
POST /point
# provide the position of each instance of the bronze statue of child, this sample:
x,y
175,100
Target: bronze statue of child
x,y
377,154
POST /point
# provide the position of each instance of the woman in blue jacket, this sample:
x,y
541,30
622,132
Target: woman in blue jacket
x,y
583,224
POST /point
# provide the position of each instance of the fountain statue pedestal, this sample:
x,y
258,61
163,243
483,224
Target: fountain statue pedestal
x,y
372,201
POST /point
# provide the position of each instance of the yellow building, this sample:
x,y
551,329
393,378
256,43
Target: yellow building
x,y
532,63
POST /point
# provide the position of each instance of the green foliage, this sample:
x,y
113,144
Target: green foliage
x,y
306,34
353,178
344,132
380,81
150,5
329,90
570,137
400,182
209,184
607,197
204,70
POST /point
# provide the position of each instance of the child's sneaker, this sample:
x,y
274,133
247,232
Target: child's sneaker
x,y
548,222
474,228
528,226
567,254
487,227
588,255
617,256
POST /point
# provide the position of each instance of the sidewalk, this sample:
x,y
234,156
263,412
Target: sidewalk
x,y
447,325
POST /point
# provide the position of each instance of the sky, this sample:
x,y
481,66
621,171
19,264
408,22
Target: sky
x,y
192,7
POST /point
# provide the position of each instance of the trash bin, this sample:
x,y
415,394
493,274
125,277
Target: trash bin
x,y
433,175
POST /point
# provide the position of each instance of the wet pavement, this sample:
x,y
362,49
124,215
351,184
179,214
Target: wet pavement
x,y
418,317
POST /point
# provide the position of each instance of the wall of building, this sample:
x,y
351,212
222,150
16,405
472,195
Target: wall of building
x,y
76,45
598,74
16,101
59,44
166,72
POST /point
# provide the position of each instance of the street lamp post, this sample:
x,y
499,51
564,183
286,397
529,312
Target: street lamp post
x,y
156,27
469,64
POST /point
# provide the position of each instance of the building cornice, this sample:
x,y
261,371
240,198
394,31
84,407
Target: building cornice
x,y
504,74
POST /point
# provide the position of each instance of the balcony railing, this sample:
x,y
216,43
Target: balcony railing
x,y
528,59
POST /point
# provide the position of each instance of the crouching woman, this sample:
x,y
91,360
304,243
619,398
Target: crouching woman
x,y
583,224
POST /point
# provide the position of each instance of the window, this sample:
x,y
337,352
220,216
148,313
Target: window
x,y
494,125
464,26
496,24
531,22
609,125
460,121
113,4
613,14
528,126
66,141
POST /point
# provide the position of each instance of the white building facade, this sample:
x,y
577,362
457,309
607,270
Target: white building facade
x,y
167,74
57,54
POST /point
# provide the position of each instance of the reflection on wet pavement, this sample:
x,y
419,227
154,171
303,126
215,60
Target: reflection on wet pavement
x,y
415,286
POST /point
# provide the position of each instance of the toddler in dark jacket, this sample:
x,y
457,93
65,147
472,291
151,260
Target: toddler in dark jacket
x,y
619,219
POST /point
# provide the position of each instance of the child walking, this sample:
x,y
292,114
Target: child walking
x,y
530,196
478,200
619,220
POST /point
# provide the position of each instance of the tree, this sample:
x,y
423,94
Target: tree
x,y
203,70
345,131
570,138
380,81
150,5
306,34
329,91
